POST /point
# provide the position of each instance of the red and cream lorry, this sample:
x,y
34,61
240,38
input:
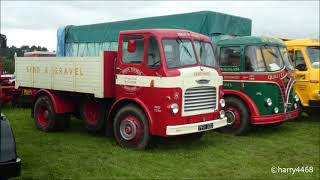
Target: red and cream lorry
x,y
155,84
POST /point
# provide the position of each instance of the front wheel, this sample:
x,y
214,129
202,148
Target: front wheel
x,y
237,115
131,128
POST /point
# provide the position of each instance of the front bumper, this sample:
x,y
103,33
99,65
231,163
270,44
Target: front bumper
x,y
195,127
275,118
10,168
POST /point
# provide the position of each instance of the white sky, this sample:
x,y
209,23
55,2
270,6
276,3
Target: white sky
x,y
36,22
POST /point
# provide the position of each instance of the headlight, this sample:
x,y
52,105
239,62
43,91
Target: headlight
x,y
222,114
222,102
268,101
296,98
174,108
276,110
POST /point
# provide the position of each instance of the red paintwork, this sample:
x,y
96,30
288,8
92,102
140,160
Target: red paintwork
x,y
274,118
91,112
236,114
60,103
252,106
109,73
153,101
40,114
128,129
7,93
39,54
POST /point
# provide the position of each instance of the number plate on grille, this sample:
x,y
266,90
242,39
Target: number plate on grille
x,y
205,126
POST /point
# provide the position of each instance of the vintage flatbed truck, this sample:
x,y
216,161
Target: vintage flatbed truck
x,y
155,84
258,82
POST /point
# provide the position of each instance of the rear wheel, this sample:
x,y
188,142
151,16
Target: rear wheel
x,y
46,118
131,128
93,113
237,115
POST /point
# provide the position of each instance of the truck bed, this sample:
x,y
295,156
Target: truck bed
x,y
73,74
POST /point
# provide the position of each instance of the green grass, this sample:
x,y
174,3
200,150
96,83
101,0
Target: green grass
x,y
77,154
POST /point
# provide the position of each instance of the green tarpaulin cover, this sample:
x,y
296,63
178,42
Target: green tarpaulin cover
x,y
90,39
248,40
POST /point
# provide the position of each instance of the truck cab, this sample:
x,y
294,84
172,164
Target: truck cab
x,y
160,82
304,54
258,82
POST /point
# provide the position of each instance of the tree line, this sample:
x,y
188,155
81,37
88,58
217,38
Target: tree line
x,y
7,56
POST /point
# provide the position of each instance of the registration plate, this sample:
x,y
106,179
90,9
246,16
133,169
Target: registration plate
x,y
205,126
27,92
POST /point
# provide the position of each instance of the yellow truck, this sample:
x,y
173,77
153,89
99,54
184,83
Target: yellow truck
x,y
305,55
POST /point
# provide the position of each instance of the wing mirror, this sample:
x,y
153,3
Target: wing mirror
x,y
132,45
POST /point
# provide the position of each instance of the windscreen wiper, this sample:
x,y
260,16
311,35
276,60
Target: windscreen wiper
x,y
272,53
185,48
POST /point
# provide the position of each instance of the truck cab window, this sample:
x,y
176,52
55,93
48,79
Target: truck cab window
x,y
153,53
136,56
230,56
253,60
205,53
299,60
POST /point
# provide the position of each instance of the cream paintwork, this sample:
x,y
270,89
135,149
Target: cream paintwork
x,y
186,80
193,128
91,81
87,79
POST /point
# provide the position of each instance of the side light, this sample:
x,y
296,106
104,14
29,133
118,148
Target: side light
x,y
268,102
174,108
222,103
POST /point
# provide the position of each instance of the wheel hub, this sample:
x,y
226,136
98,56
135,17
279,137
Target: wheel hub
x,y
46,114
128,129
231,117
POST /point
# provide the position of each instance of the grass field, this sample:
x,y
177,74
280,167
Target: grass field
x,y
76,154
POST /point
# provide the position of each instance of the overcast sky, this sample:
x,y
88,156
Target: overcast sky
x,y
36,22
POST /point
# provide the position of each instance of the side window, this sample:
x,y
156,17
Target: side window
x,y
135,56
298,58
153,53
290,53
230,56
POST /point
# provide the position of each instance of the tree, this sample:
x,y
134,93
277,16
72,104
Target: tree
x,y
7,55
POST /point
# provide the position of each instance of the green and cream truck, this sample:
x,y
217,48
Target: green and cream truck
x,y
258,82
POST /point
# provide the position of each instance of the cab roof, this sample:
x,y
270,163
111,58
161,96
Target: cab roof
x,y
255,40
169,33
303,42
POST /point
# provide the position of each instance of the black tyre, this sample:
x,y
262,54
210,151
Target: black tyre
x,y
131,128
238,115
46,118
93,114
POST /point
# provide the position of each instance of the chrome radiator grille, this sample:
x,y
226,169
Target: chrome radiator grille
x,y
200,98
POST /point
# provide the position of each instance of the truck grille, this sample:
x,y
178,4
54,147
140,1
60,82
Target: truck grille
x,y
200,98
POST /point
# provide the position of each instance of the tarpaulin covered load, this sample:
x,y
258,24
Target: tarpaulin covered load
x,y
89,40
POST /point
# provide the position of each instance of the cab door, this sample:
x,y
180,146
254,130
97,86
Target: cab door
x,y
302,75
130,65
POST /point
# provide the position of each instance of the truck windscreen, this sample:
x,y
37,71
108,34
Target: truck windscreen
x,y
314,56
205,53
178,52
